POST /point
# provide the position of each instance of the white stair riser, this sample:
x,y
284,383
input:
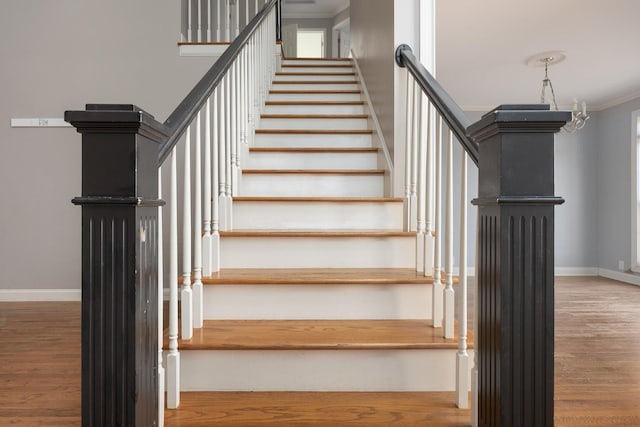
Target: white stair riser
x,y
313,123
328,70
308,185
296,160
313,109
315,215
294,76
314,62
311,140
314,97
317,252
395,301
318,370
310,86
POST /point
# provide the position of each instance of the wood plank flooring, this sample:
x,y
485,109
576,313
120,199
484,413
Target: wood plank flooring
x,y
597,373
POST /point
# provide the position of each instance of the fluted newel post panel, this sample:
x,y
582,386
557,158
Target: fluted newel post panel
x,y
119,264
515,264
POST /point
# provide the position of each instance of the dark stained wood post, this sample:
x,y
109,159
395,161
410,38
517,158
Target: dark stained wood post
x,y
515,264
119,264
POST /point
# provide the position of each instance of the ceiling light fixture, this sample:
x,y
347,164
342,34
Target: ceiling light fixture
x,y
546,59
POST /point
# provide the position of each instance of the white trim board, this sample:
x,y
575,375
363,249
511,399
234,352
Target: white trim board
x,y
620,276
39,123
15,295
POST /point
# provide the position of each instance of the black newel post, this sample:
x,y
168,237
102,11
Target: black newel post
x,y
515,264
119,264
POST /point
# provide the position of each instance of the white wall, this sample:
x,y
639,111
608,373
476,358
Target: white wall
x,y
57,56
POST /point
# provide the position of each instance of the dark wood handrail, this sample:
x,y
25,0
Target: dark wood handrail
x,y
446,106
184,114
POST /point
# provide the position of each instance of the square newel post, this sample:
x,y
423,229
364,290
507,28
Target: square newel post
x,y
119,264
515,264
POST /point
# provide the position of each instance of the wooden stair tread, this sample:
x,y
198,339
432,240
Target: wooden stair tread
x,y
313,92
289,409
319,59
320,199
317,233
312,150
313,74
315,131
314,116
314,82
292,102
317,276
203,43
317,66
313,171
318,335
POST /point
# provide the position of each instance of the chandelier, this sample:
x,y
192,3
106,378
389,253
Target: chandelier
x,y
579,112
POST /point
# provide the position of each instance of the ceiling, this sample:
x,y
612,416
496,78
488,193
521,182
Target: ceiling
x,y
483,46
313,8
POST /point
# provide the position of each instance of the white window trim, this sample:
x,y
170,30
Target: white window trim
x,y
635,200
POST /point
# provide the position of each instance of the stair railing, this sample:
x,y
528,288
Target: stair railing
x,y
124,151
219,21
513,149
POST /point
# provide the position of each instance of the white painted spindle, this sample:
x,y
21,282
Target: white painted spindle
x,y
428,191
209,13
462,358
197,228
222,136
218,19
199,18
215,205
206,211
186,314
173,358
233,84
228,189
449,296
189,22
437,261
407,153
236,19
161,376
226,23
420,164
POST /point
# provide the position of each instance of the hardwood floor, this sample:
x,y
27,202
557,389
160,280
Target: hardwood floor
x,y
597,373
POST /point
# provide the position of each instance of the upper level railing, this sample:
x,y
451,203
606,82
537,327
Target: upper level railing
x,y
512,380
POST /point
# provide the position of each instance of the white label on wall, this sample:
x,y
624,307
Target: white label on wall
x,y
37,123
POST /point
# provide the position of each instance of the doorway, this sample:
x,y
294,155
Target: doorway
x,y
310,43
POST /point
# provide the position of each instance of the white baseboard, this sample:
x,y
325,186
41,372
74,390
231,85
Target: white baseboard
x,y
576,271
35,295
621,276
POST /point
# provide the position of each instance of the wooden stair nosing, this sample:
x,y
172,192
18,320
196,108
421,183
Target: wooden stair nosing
x,y
314,74
315,131
319,59
314,116
346,150
410,334
203,43
319,199
313,171
314,82
329,103
314,92
316,233
317,65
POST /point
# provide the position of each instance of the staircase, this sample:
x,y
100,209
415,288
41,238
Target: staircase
x,y
317,289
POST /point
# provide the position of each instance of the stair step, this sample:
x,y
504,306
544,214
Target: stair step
x,y
271,138
314,107
311,158
314,121
372,409
316,85
316,61
293,76
312,183
314,131
403,334
314,249
314,95
322,68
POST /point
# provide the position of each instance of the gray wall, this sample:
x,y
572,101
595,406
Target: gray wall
x,y
613,154
372,43
58,56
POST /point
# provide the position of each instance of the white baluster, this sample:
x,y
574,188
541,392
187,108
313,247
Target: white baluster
x,y
199,18
161,376
189,23
218,19
206,220
215,205
236,19
474,371
228,189
222,137
428,192
462,358
449,295
408,155
437,262
226,23
246,12
209,12
233,83
186,294
173,358
413,203
420,170
197,228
